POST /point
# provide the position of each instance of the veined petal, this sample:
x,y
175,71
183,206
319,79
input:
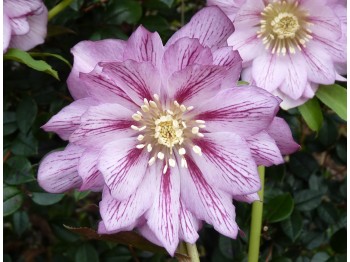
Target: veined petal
x,y
210,26
247,198
207,203
21,7
87,169
163,215
58,171
264,149
6,32
288,102
249,13
87,54
65,122
230,7
185,52
244,110
102,124
138,79
149,234
19,25
144,46
227,163
102,230
280,132
189,225
123,167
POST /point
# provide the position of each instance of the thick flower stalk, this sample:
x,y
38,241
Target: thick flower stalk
x,y
289,47
24,24
165,132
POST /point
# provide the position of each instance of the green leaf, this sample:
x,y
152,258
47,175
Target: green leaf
x,y
293,225
279,208
338,241
312,114
46,199
86,253
128,11
169,3
18,170
328,213
320,257
34,54
79,195
9,123
26,114
25,145
24,58
225,246
307,200
334,96
12,200
20,222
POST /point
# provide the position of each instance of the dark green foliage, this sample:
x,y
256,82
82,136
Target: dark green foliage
x,y
305,199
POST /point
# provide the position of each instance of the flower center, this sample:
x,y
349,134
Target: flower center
x,y
166,130
284,27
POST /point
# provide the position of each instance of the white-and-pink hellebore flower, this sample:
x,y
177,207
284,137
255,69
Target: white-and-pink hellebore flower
x,y
289,47
165,132
24,24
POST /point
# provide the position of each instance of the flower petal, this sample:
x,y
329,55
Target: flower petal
x,y
230,7
210,26
264,149
280,132
207,203
138,79
244,110
144,46
58,170
21,7
249,13
87,169
65,122
189,225
102,230
103,124
247,198
6,32
123,167
163,215
19,26
227,163
86,56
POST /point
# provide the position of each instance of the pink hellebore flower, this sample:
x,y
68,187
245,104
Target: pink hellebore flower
x,y
164,131
289,47
24,24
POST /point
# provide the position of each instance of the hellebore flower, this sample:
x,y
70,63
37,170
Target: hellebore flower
x,y
164,132
289,47
24,24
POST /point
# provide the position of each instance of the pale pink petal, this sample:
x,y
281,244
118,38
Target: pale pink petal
x,y
336,48
207,203
87,169
244,110
249,13
65,122
280,132
163,215
310,90
102,124
138,79
102,230
287,102
264,149
144,46
230,7
146,232
19,26
58,170
227,163
6,32
87,54
123,167
247,198
210,25
189,225
120,214
21,7
185,52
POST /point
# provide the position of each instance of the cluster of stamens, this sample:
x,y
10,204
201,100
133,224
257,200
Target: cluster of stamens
x,y
166,130
284,27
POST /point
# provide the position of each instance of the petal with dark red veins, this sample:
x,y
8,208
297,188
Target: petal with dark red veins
x,y
87,169
247,198
189,225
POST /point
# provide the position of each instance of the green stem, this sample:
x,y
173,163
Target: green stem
x,y
59,8
255,226
192,252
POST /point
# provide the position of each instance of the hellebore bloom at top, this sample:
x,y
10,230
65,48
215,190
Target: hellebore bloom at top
x,y
289,47
24,24
164,132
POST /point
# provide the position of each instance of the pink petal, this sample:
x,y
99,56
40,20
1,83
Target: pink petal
x,y
244,110
230,7
149,234
102,230
123,167
65,122
138,80
227,163
163,215
210,25
247,198
121,214
249,13
102,124
207,203
280,132
6,32
264,149
21,7
19,26
87,54
196,83
58,171
336,48
189,225
144,46
185,52
87,169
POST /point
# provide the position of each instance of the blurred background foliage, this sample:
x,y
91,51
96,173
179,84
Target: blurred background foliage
x,y
305,202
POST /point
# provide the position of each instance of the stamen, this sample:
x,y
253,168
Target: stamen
x,y
183,162
136,117
165,168
160,155
172,162
140,137
200,121
182,151
197,150
152,160
195,130
135,128
149,147
140,146
153,104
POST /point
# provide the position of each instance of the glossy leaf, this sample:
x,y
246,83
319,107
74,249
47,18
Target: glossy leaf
x,y
46,199
307,200
26,114
18,170
312,114
86,253
293,225
279,208
20,222
12,200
